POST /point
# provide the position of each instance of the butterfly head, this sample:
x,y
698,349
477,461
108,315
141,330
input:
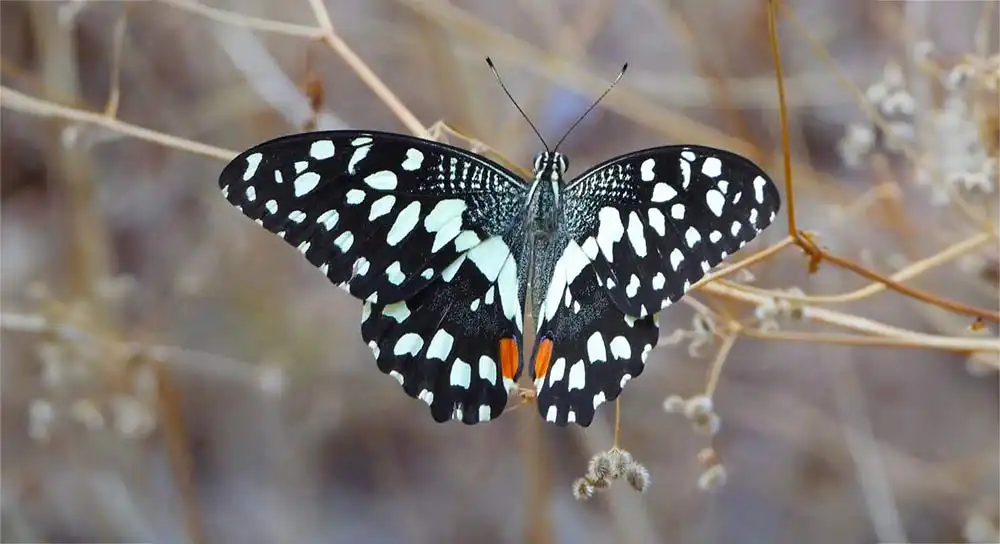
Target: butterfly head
x,y
550,166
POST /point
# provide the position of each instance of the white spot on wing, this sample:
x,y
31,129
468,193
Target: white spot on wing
x,y
712,167
685,173
595,348
409,343
659,280
355,196
383,180
715,201
632,289
381,207
467,239
620,348
358,155
646,170
344,241
306,183
663,192
321,149
253,161
414,158
692,237
577,376
758,188
657,221
609,231
328,219
676,258
558,370
440,347
488,369
677,211
635,234
404,223
442,212
394,273
489,257
461,374
397,311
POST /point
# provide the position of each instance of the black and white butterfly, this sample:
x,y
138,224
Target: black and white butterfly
x,y
444,246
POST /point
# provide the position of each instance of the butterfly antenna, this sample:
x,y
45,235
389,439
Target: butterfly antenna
x,y
592,106
516,105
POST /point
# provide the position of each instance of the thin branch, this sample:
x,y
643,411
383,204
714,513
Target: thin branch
x,y
909,272
761,255
960,345
114,87
786,146
910,291
721,356
365,73
21,102
245,21
862,324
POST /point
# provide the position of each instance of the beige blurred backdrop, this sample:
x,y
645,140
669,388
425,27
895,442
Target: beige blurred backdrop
x,y
173,373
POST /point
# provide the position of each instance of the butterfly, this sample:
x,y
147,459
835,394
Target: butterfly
x,y
445,248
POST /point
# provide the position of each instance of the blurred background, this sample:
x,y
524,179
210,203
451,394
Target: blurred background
x,y
173,373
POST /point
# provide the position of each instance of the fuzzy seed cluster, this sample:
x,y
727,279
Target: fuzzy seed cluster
x,y
608,466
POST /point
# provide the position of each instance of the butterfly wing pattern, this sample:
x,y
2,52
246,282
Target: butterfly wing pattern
x,y
422,233
441,244
640,230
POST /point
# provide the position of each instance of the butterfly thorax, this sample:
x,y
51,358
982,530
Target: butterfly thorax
x,y
542,217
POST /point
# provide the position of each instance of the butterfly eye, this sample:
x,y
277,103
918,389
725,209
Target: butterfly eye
x,y
563,163
539,161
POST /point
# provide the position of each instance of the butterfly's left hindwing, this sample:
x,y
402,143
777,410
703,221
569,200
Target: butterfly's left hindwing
x,y
419,231
639,231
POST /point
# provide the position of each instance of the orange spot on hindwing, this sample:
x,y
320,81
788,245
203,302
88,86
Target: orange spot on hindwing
x,y
542,358
509,358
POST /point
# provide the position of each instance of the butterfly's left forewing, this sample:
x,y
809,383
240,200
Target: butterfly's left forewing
x,y
424,233
639,231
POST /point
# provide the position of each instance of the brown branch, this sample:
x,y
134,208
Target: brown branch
x,y
934,300
365,73
786,146
909,272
